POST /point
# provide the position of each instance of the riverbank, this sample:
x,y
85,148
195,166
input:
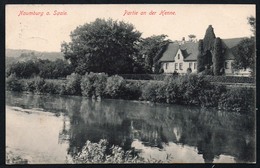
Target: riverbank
x,y
188,90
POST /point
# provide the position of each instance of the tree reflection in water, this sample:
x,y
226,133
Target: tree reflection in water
x,y
211,132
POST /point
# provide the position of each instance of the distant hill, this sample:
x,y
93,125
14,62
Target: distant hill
x,y
31,54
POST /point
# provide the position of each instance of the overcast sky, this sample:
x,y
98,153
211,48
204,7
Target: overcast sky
x,y
45,33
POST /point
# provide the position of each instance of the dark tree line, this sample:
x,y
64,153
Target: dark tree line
x,y
43,68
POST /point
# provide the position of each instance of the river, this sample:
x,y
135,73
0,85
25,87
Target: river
x,y
50,129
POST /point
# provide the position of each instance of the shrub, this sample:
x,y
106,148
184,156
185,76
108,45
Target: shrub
x,y
101,153
12,158
172,91
238,99
73,84
149,92
191,85
29,85
36,85
160,92
132,90
93,84
39,84
13,83
53,87
115,86
209,97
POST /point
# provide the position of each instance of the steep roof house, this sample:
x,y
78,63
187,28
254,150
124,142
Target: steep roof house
x,y
179,56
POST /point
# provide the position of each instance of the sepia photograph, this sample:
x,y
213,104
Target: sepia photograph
x,y
130,83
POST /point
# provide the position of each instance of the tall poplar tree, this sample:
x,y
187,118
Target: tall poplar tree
x,y
217,59
200,59
209,39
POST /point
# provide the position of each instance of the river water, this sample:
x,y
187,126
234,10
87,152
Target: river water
x,y
50,129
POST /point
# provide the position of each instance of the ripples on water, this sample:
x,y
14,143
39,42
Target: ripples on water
x,y
48,129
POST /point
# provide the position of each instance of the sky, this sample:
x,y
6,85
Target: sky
x,y
45,32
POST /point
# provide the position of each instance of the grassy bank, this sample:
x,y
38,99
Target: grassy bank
x,y
188,90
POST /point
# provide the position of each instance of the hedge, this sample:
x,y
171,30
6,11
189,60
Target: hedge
x,y
161,77
188,89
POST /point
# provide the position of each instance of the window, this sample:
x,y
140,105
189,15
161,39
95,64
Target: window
x,y
166,65
180,66
190,65
226,65
195,65
176,66
178,56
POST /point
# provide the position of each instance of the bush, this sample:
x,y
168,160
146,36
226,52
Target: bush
x,y
115,87
238,99
210,97
172,91
191,86
149,92
39,84
29,85
101,153
13,83
36,85
73,84
132,90
53,87
93,84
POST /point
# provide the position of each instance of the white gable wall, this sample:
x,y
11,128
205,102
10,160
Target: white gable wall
x,y
179,65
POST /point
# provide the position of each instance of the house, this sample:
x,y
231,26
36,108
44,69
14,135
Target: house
x,y
179,56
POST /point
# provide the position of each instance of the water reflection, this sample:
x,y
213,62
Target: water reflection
x,y
208,135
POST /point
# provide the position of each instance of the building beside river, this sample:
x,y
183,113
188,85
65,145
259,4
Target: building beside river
x,y
181,55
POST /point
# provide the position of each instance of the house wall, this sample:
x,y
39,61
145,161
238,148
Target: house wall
x,y
228,67
168,67
230,72
179,65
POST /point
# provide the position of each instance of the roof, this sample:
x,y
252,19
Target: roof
x,y
229,45
190,50
170,52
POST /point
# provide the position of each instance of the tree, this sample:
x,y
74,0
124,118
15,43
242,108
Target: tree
x,y
209,39
200,58
191,37
217,59
102,46
245,50
245,55
252,22
148,51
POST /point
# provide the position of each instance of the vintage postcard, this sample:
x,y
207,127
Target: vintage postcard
x,y
135,83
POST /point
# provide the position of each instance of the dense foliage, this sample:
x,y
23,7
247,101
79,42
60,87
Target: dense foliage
x,y
102,46
245,55
101,152
200,57
189,89
217,59
209,39
43,68
93,84
148,52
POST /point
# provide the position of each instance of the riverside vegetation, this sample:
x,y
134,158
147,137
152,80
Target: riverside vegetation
x,y
190,89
